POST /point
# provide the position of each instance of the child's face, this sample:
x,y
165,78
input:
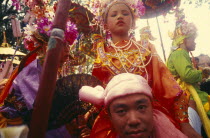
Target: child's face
x,y
119,19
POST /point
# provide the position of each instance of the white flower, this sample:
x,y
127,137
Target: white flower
x,y
30,29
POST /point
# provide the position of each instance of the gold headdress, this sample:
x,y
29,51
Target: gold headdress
x,y
182,30
100,8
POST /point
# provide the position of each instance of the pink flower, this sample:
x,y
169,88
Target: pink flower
x,y
16,3
141,8
70,32
44,26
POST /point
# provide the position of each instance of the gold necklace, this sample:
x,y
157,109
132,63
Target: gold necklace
x,y
133,64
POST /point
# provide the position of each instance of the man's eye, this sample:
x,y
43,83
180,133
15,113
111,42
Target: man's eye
x,y
142,108
121,112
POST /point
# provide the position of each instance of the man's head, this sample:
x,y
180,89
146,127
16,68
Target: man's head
x,y
128,100
129,104
184,34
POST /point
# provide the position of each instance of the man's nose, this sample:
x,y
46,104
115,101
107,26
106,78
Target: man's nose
x,y
133,119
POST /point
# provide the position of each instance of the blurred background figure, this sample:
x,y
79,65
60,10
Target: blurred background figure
x,y
205,84
196,63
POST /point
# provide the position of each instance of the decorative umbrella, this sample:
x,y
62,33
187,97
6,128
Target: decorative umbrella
x,y
14,61
5,48
10,51
155,8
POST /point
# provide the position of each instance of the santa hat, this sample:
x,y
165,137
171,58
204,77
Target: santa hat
x,y
120,85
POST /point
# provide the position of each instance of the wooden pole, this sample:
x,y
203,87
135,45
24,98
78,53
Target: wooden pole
x,y
161,39
43,101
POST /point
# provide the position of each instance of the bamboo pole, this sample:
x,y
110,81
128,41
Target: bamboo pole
x,y
161,39
43,101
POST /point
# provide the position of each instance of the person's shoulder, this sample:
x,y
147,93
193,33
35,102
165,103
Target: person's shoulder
x,y
179,52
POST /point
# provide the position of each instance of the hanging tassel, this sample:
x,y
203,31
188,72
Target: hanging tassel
x,y
16,27
27,17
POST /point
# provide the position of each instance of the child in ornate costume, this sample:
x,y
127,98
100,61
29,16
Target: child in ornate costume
x,y
181,66
118,52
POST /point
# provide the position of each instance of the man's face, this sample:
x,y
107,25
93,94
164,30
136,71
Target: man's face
x,y
132,116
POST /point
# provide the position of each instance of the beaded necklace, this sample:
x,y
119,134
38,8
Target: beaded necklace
x,y
122,54
125,47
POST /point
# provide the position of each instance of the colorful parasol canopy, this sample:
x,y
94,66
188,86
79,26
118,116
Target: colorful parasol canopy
x,y
10,51
158,7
